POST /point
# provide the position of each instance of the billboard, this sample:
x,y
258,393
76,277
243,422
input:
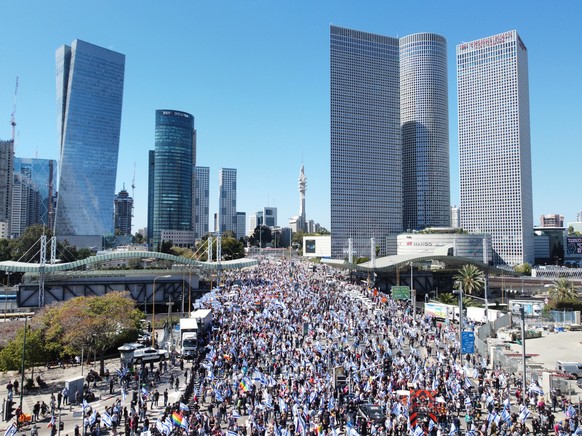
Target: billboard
x,y
310,246
437,310
531,307
573,246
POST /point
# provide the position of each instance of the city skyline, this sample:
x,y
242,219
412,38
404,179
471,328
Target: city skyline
x,y
263,103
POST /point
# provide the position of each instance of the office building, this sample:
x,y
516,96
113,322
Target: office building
x,y
425,131
552,220
227,219
151,177
201,201
494,144
123,207
455,216
89,99
253,223
366,146
175,146
241,224
43,174
6,181
26,202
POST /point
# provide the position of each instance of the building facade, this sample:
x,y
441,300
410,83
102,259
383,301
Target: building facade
x,y
6,181
89,100
173,173
366,151
425,131
552,220
455,216
227,219
43,173
201,201
123,207
494,144
151,177
26,204
241,224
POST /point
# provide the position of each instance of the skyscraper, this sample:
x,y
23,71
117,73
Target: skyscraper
x,y
175,147
366,147
201,202
425,131
227,200
26,202
494,144
241,224
6,181
89,99
43,173
123,206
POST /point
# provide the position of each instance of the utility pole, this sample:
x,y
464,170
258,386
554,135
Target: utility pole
x,y
522,313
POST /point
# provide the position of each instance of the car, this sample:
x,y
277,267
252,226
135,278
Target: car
x,y
372,413
149,354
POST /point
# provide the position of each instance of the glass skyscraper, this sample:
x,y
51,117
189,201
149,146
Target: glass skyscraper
x,y
366,151
43,173
89,99
494,144
227,200
425,131
173,165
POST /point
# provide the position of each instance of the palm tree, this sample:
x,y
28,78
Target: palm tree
x,y
470,278
563,290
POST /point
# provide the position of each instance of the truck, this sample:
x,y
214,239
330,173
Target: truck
x,y
192,331
442,311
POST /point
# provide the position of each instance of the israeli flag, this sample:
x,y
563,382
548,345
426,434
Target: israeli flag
x,y
85,404
525,413
106,419
93,417
11,431
506,416
183,406
453,429
418,431
218,396
231,433
123,395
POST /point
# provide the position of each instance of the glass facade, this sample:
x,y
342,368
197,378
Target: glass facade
x,y
425,131
173,172
89,100
43,174
494,144
366,153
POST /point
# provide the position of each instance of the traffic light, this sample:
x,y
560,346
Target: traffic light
x,y
9,410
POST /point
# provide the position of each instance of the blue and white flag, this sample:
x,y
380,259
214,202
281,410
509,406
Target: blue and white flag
x,y
184,423
570,411
85,404
525,413
218,396
506,416
418,431
453,429
300,426
106,419
93,417
144,391
183,406
235,414
123,395
231,433
507,403
282,405
352,432
11,431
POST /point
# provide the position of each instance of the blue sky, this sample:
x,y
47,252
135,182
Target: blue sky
x,y
255,75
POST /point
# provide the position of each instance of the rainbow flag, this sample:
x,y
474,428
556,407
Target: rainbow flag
x,y
177,418
245,384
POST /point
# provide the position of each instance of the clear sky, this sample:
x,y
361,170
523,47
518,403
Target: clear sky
x,y
255,75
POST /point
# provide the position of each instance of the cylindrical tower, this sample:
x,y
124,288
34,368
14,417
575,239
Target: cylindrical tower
x,y
173,169
425,131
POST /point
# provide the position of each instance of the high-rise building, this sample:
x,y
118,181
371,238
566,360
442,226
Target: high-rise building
x,y
201,201
425,131
455,216
552,220
366,146
151,178
43,173
174,163
123,207
89,99
6,181
26,203
227,200
494,144
241,224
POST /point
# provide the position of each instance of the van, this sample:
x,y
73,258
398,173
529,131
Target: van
x,y
572,368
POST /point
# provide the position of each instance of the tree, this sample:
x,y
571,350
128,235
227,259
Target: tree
x,y
138,238
470,278
297,240
232,248
453,300
563,290
34,352
261,236
524,269
94,324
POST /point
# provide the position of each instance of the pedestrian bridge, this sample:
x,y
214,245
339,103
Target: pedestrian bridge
x,y
13,266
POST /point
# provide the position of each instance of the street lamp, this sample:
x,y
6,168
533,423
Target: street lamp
x,y
154,308
460,293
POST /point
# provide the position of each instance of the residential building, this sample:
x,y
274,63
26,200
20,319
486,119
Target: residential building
x,y
89,100
43,173
425,131
6,181
366,144
123,207
241,224
175,145
227,200
201,201
494,144
26,201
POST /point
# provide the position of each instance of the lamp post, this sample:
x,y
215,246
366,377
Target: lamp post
x,y
23,356
154,308
522,313
460,293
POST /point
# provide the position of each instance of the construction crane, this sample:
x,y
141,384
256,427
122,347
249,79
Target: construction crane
x,y
133,182
13,115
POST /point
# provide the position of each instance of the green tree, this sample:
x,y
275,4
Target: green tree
x,y
524,269
297,240
563,290
232,248
138,238
470,278
166,247
448,298
261,236
27,247
34,354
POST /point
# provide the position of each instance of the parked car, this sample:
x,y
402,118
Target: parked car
x,y
149,355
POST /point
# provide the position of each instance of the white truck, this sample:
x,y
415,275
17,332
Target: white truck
x,y
192,330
